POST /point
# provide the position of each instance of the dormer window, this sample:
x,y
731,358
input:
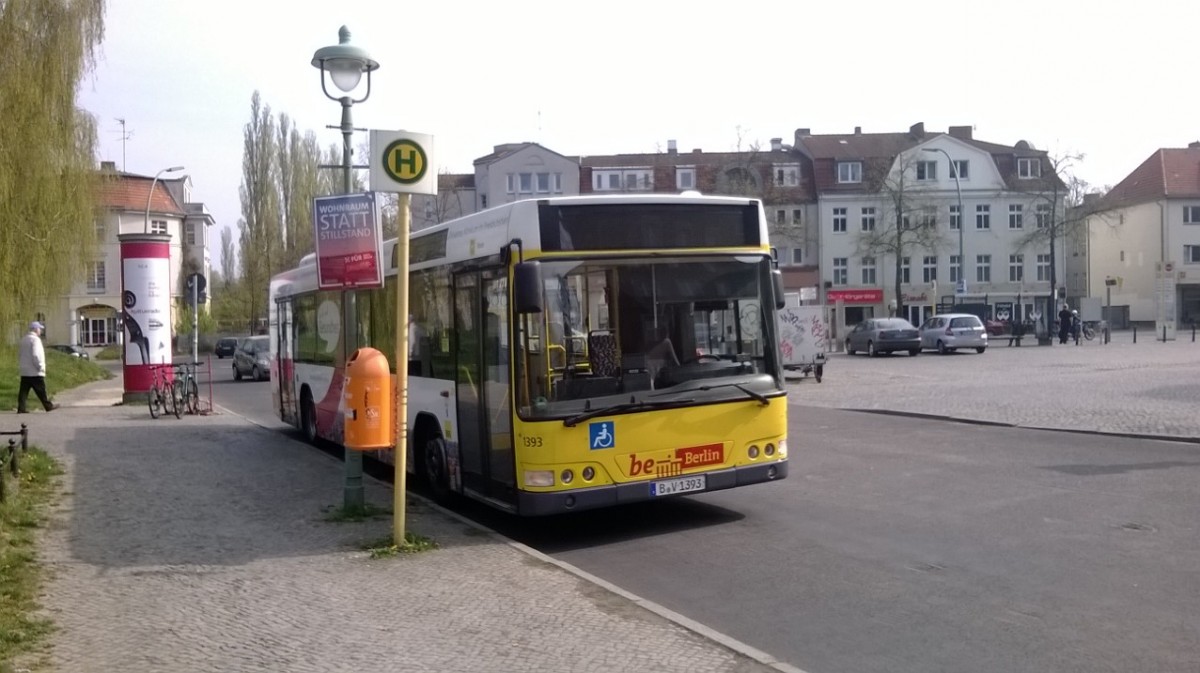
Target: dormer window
x,y
1029,168
849,172
926,171
787,175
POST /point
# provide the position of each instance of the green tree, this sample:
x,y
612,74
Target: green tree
x,y
47,149
261,238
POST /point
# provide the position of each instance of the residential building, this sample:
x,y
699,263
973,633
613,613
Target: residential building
x,y
89,313
886,205
456,197
780,177
1144,237
517,171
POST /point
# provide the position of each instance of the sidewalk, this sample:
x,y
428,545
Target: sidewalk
x,y
203,544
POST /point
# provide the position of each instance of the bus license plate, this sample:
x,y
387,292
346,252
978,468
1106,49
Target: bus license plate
x,y
673,486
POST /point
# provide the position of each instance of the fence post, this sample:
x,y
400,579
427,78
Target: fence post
x,y
1164,334
24,438
1135,334
13,466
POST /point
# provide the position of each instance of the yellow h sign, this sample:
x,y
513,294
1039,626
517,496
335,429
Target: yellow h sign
x,y
402,162
405,161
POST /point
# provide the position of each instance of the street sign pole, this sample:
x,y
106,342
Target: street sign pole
x,y
195,321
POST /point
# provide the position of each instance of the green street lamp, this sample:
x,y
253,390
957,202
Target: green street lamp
x,y
153,183
961,288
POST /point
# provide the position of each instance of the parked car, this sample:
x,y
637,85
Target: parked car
x,y
883,335
252,358
950,331
72,350
225,347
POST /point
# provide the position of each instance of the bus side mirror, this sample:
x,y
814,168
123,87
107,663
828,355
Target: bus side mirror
x,y
777,281
527,287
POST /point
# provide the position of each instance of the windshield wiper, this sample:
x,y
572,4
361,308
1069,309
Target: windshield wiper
x,y
757,396
624,406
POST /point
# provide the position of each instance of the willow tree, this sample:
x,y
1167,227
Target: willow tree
x,y
47,150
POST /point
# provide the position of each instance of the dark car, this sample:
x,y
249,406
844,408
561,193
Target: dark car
x,y
884,335
252,358
225,347
72,350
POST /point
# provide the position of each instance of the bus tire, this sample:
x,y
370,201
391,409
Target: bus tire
x,y
308,417
433,468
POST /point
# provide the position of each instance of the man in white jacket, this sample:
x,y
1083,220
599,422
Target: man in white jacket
x,y
33,369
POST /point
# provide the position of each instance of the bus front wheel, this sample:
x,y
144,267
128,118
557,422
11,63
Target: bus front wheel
x,y
308,417
433,468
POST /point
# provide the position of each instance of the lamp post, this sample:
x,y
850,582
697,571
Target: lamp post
x,y
150,194
345,64
961,288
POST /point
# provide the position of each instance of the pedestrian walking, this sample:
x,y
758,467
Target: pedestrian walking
x,y
32,366
1064,324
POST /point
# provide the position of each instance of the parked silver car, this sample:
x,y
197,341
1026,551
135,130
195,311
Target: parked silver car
x,y
252,358
948,332
883,335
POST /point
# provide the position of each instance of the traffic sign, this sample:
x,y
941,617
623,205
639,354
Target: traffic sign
x,y
961,286
402,162
197,283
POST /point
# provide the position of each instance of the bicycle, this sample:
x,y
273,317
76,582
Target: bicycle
x,y
1084,330
184,390
161,397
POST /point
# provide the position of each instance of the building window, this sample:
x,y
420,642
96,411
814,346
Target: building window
x,y
905,270
510,183
955,268
955,218
797,256
1191,214
839,220
781,216
926,170
1191,254
983,268
797,216
95,277
841,273
927,219
868,270
1029,168
929,268
558,183
787,175
158,226
483,200
189,233
983,217
543,183
868,219
1043,267
962,166
1016,216
1016,268
849,171
525,183
1043,215
685,178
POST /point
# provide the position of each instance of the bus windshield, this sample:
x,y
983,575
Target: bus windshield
x,y
617,332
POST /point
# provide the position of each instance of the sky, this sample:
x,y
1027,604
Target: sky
x,y
1096,78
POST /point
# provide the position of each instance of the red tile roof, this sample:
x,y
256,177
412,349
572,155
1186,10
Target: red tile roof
x,y
126,191
1168,173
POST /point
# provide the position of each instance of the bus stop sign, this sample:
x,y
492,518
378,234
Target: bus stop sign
x,y
402,162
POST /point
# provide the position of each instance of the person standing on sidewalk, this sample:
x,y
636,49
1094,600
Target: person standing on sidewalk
x,y
1064,324
32,365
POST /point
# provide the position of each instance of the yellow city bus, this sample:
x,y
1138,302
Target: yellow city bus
x,y
565,353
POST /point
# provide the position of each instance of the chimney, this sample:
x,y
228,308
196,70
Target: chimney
x,y
963,132
108,166
1194,144
917,130
671,147
800,135
776,144
858,130
697,151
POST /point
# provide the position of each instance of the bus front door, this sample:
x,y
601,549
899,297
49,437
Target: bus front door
x,y
483,377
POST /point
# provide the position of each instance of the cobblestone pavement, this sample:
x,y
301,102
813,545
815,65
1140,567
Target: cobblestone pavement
x,y
205,544
1145,388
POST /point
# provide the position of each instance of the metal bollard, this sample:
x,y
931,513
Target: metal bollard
x,y
1164,334
24,438
13,466
1135,334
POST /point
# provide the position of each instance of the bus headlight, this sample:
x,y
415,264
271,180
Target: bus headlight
x,y
567,476
769,450
589,473
753,451
539,477
783,447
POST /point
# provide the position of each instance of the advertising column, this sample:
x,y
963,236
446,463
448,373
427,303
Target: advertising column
x,y
145,308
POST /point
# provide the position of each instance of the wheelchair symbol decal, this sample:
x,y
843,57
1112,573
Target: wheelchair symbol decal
x,y
601,435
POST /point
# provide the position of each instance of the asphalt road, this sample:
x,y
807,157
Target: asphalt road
x,y
899,544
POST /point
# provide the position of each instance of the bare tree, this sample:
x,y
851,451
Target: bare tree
x,y
907,219
228,261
